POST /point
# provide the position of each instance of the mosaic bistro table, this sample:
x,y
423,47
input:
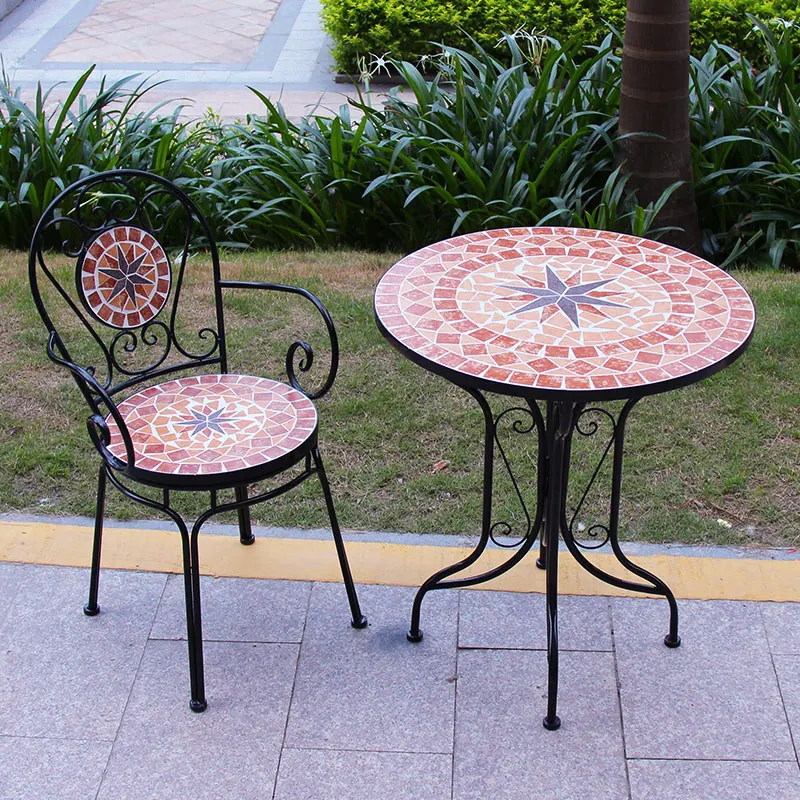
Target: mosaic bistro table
x,y
561,318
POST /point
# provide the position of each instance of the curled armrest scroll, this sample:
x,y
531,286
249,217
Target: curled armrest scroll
x,y
96,424
304,349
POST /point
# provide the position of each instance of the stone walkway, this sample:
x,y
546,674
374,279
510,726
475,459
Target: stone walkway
x,y
304,707
209,51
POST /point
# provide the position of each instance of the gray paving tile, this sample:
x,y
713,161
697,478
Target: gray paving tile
x,y
237,609
788,671
502,749
51,769
338,775
714,780
164,750
714,697
371,689
782,623
12,578
66,675
517,621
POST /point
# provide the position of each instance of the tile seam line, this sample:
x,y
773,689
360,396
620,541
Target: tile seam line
x,y
780,687
291,694
133,684
618,682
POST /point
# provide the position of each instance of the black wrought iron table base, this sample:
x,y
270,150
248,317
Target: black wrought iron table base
x,y
555,429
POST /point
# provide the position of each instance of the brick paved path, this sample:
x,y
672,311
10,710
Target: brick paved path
x,y
208,50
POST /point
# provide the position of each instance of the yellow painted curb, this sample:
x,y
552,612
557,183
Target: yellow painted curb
x,y
385,563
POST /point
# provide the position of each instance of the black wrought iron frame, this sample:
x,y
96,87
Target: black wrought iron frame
x,y
134,204
555,426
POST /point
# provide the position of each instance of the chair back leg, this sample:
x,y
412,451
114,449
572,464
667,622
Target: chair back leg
x,y
246,535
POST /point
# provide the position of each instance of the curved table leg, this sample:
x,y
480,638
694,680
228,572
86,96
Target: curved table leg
x,y
438,579
656,585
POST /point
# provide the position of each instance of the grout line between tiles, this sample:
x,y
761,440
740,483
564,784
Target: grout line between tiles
x,y
619,698
455,701
291,694
780,688
133,683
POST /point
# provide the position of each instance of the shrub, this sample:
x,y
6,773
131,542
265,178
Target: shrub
x,y
407,28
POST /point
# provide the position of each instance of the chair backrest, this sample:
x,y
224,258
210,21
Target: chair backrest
x,y
109,270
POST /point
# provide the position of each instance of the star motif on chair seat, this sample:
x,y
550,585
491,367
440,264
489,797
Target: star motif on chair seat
x,y
206,420
565,297
126,276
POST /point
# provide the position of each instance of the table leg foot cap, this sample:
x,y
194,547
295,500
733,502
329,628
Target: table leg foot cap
x,y
414,637
552,724
670,642
91,611
361,622
198,706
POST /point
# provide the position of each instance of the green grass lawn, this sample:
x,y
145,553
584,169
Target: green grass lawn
x,y
403,447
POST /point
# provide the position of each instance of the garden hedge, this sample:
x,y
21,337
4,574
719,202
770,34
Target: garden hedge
x,y
406,28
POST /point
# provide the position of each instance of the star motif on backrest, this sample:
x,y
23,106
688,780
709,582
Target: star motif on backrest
x,y
565,297
126,275
206,420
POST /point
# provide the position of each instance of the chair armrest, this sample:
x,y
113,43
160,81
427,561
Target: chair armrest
x,y
307,357
95,394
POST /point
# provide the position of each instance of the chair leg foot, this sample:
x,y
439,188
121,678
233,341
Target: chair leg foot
x,y
669,641
414,636
91,611
360,623
198,706
552,724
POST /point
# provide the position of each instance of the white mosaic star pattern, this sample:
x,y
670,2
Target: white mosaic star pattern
x,y
663,313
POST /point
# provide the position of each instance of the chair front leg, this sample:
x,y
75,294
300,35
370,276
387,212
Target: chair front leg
x,y
359,620
91,609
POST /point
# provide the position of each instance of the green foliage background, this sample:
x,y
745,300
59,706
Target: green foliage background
x,y
406,28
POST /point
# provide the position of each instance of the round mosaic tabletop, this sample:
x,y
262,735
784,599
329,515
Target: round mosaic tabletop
x,y
213,424
547,311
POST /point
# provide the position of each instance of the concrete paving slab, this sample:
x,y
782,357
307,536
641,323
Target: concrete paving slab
x,y
782,624
518,621
714,697
51,769
12,578
371,689
164,750
66,675
503,751
714,780
338,775
788,671
235,609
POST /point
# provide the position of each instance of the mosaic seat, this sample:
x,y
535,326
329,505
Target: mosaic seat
x,y
139,323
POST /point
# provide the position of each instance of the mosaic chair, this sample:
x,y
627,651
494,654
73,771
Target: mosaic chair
x,y
112,278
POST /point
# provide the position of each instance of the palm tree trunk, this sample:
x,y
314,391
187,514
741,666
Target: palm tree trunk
x,y
655,100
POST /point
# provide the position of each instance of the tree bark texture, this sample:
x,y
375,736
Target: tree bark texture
x,y
655,100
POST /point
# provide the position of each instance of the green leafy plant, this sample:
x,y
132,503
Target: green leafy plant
x,y
408,28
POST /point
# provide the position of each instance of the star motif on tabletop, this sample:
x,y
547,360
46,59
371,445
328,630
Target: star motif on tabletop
x,y
206,421
126,275
564,297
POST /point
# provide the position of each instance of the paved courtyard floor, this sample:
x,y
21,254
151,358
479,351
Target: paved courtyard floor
x,y
209,51
302,706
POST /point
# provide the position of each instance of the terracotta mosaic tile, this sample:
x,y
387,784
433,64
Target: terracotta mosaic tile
x,y
125,277
213,424
546,303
